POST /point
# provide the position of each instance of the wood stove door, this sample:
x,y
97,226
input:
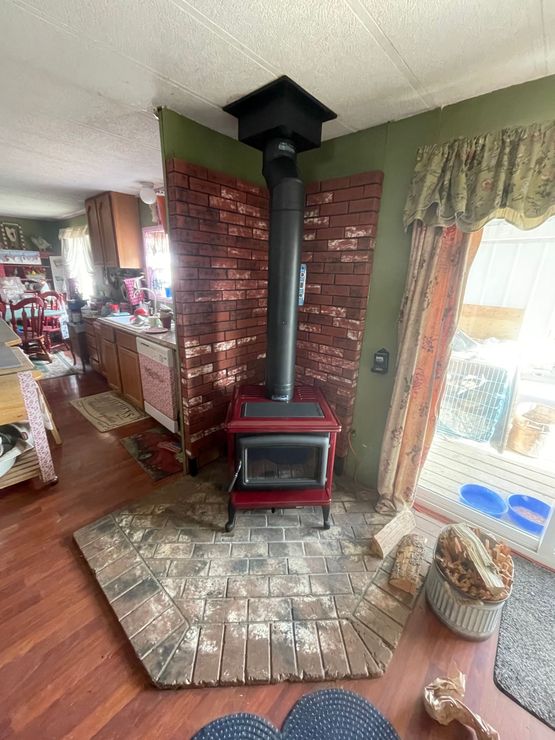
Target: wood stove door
x,y
270,461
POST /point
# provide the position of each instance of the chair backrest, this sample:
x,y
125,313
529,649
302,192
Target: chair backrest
x,y
3,309
53,300
31,318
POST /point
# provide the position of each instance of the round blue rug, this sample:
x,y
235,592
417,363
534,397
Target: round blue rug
x,y
331,714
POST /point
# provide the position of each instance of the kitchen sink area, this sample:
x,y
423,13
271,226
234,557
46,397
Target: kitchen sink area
x,y
137,361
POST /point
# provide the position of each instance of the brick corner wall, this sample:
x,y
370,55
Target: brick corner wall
x,y
341,219
219,243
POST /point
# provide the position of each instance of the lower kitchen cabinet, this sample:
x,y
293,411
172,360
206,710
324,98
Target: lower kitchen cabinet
x,y
130,375
110,364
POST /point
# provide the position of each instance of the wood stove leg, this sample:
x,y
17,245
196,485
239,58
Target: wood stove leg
x,y
326,513
232,515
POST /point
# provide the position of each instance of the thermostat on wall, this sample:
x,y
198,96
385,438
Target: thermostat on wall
x,y
381,361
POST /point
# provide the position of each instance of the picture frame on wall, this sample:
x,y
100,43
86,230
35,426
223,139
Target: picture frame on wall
x,y
12,236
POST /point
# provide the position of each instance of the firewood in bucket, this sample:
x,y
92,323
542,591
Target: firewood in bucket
x,y
475,562
385,540
406,568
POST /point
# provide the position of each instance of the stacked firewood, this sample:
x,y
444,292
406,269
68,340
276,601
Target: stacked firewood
x,y
475,562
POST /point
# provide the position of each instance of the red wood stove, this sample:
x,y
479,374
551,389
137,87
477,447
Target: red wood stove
x,y
280,454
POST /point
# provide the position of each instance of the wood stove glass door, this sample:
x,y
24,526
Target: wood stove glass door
x,y
283,460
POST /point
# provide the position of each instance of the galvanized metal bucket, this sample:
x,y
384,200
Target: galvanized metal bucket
x,y
469,618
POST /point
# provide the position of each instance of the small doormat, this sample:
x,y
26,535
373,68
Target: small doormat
x,y
107,411
331,714
60,366
277,599
525,661
157,451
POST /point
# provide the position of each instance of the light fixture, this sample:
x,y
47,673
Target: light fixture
x,y
147,193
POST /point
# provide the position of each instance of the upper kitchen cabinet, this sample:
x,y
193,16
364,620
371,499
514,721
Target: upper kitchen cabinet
x,y
115,230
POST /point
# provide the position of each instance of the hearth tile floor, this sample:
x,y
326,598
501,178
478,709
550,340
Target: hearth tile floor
x,y
277,599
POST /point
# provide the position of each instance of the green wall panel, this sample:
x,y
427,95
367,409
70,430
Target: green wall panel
x,y
187,140
37,227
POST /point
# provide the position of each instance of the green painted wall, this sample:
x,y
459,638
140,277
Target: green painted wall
x,y
392,148
185,139
37,227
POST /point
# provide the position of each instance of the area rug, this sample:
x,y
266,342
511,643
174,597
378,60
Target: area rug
x,y
107,411
157,451
525,661
331,714
60,366
277,599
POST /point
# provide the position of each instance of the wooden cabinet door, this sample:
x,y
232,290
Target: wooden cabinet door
x,y
127,230
130,374
111,364
94,231
106,226
98,363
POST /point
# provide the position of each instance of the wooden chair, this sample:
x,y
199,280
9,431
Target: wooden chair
x,y
3,309
52,329
30,326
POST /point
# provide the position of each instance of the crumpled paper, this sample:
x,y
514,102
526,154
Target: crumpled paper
x,y
443,702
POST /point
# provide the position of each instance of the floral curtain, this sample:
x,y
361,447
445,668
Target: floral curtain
x,y
506,174
439,264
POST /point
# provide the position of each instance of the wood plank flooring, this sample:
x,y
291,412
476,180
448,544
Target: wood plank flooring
x,y
66,669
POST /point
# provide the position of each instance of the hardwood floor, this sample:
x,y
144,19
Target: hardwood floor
x,y
66,669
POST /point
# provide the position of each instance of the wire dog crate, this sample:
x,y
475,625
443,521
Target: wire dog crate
x,y
476,399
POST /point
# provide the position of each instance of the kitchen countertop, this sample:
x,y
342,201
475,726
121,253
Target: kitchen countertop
x,y
168,339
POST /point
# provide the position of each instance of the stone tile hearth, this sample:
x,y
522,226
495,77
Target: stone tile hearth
x,y
277,599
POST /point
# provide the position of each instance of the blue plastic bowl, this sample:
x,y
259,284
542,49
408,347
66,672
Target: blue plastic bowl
x,y
483,499
534,506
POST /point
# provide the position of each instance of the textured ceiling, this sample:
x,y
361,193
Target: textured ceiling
x,y
79,78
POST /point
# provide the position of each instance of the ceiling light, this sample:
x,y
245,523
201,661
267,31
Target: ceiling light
x,y
147,193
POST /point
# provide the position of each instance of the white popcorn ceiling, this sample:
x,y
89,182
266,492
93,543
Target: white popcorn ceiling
x,y
79,79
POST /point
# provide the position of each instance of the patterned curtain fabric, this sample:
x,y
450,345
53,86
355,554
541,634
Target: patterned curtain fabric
x,y
506,174
439,265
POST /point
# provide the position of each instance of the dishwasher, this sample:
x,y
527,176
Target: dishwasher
x,y
158,380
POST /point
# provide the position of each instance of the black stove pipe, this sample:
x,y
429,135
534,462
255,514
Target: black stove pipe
x,y
284,261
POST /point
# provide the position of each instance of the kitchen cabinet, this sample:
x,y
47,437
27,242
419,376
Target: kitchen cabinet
x,y
130,374
94,344
110,364
115,230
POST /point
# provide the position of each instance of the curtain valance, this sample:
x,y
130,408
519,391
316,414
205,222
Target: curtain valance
x,y
506,174
73,232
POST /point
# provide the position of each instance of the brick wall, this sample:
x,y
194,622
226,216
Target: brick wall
x,y
219,235
218,231
341,218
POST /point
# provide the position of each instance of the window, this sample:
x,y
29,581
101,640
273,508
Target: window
x,y
77,258
157,259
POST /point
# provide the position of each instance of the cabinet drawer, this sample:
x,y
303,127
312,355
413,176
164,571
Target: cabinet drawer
x,y
127,340
107,333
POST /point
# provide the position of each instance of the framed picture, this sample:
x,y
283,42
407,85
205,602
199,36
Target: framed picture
x,y
12,236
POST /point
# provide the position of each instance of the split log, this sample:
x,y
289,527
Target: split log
x,y
385,540
406,568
